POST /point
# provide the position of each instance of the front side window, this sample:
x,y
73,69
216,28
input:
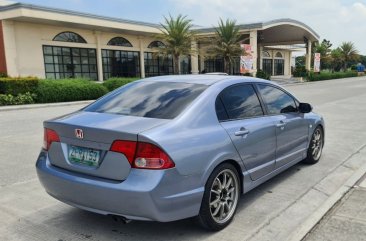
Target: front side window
x,y
276,100
240,101
162,100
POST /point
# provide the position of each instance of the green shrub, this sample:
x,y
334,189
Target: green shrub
x,y
263,75
68,90
20,99
329,75
300,71
19,85
3,75
114,83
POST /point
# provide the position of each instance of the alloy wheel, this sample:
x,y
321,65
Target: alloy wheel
x,y
224,196
317,144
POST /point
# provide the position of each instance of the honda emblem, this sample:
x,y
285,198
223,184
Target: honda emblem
x,y
79,133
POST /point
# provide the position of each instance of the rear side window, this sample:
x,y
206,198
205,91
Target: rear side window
x,y
240,101
220,110
163,100
276,100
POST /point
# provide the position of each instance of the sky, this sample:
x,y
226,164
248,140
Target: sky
x,y
334,20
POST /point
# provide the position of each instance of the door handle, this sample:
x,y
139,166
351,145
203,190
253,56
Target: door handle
x,y
242,132
281,124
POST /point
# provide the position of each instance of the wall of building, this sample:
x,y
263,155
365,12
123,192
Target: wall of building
x,y
23,43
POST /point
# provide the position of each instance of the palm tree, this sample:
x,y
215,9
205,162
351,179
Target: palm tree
x,y
177,36
336,59
227,42
348,53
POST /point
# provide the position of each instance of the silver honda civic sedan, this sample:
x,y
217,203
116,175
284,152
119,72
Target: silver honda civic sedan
x,y
174,147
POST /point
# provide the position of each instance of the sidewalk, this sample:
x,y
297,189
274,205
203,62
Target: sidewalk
x,y
346,220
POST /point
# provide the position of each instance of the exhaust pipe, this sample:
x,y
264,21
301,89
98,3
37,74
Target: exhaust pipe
x,y
121,219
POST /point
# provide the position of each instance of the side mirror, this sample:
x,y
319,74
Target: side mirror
x,y
305,108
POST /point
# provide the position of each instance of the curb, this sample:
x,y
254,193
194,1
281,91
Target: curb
x,y
38,106
315,218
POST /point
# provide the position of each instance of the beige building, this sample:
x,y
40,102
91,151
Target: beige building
x,y
55,43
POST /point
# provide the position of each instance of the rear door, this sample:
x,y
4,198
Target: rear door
x,y
291,126
253,134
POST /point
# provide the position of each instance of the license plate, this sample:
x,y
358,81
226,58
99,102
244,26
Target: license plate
x,y
84,156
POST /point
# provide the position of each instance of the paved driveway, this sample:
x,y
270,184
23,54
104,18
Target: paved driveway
x,y
270,212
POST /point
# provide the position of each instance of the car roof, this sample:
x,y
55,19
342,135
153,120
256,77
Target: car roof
x,y
202,79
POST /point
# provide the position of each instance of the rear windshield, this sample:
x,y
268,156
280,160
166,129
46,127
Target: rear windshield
x,y
162,100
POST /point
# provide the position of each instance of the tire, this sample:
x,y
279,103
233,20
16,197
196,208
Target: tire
x,y
219,203
315,147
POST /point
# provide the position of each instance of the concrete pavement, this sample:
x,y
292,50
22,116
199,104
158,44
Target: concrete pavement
x,y
346,220
273,211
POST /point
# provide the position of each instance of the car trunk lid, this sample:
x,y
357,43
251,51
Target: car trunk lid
x,y
90,153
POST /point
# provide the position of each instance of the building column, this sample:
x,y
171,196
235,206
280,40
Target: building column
x,y
194,58
254,45
308,56
202,60
11,55
273,63
99,56
260,58
289,62
142,58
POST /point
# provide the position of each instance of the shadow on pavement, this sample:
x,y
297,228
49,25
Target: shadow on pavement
x,y
68,223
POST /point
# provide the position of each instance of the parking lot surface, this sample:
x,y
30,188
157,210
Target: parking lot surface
x,y
270,212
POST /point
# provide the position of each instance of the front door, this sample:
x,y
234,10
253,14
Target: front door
x,y
291,126
252,133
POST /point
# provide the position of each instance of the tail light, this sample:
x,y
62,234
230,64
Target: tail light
x,y
49,137
143,155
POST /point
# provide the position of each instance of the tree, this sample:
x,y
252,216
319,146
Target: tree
x,y
349,53
226,42
300,61
336,59
363,59
177,36
324,48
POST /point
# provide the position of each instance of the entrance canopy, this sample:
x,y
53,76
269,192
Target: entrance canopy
x,y
286,31
275,32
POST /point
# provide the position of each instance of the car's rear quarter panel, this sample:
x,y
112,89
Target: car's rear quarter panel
x,y
195,140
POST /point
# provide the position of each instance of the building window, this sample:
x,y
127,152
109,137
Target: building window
x,y
265,54
279,67
69,37
118,63
235,66
65,62
156,44
157,65
267,66
185,64
119,41
214,65
279,55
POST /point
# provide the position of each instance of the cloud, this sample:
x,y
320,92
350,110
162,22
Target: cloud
x,y
5,2
336,20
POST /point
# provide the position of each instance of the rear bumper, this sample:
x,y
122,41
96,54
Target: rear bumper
x,y
158,195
